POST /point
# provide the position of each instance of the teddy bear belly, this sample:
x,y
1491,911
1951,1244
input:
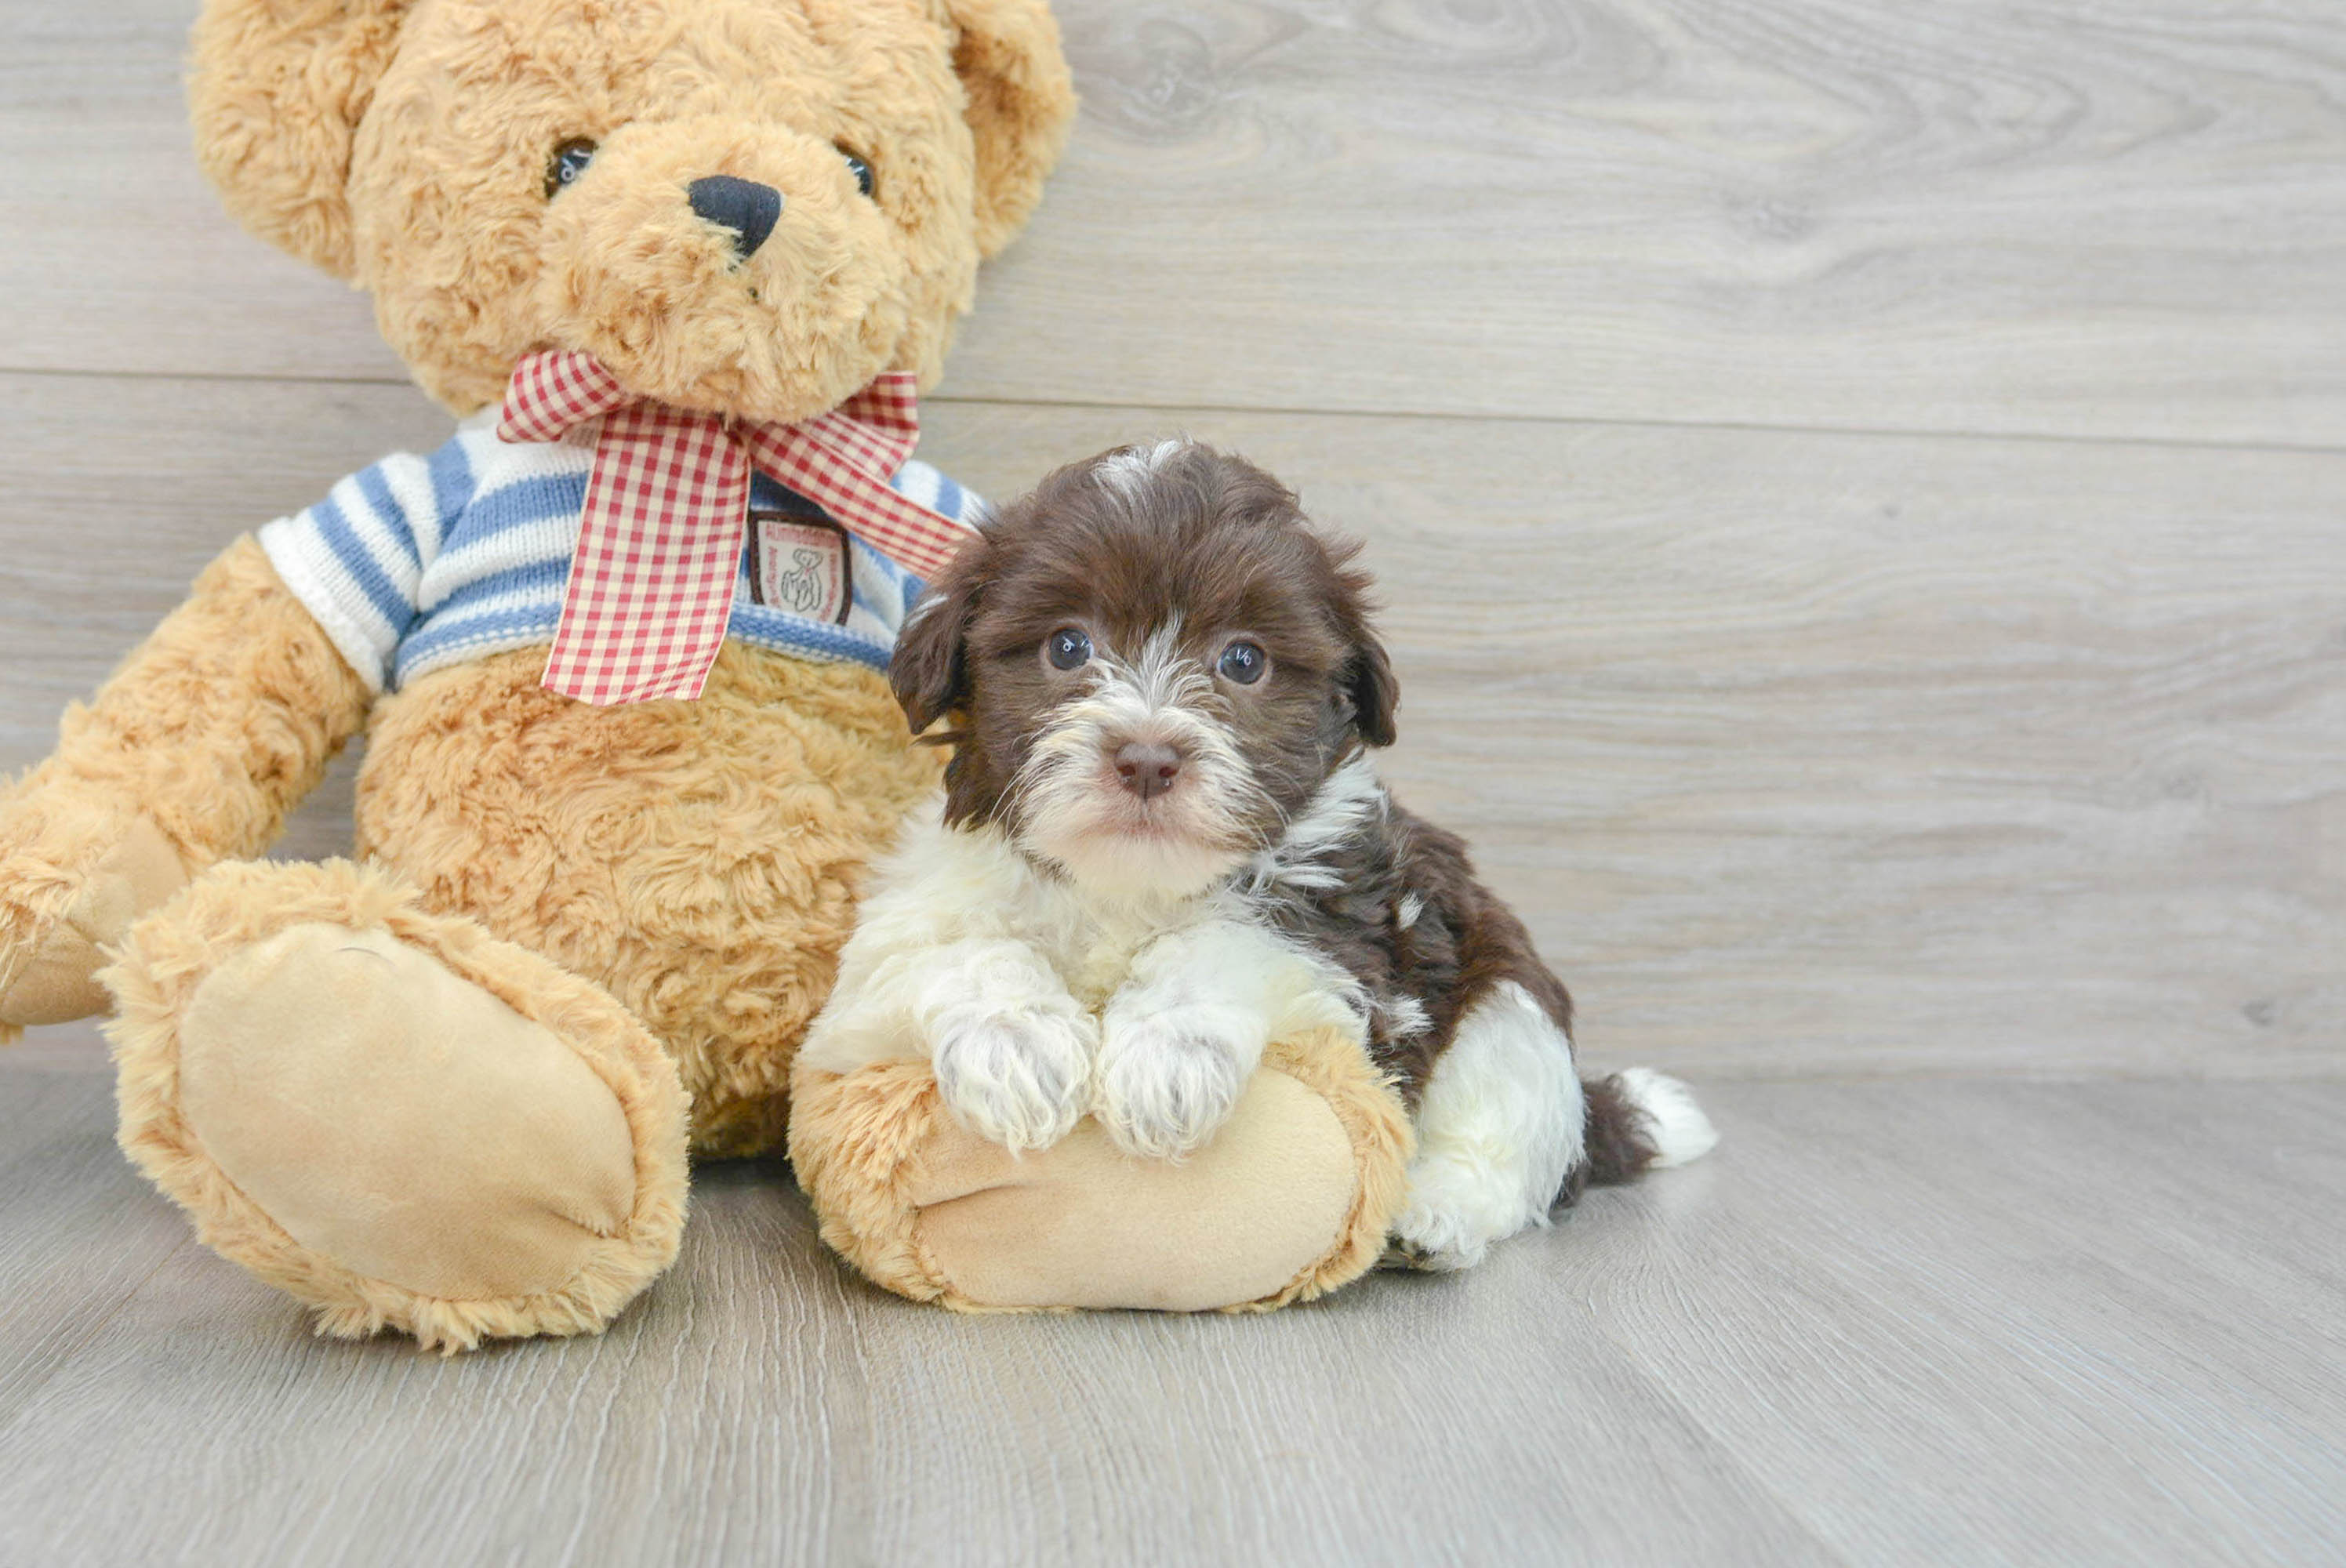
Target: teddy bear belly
x,y
700,860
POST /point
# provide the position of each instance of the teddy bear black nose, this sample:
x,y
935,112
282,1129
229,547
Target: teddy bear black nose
x,y
744,206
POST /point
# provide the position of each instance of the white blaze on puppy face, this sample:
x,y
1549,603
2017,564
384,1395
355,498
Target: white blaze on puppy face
x,y
1129,473
1074,810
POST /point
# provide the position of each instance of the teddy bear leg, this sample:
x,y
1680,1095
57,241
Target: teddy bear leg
x,y
1292,1198
394,1116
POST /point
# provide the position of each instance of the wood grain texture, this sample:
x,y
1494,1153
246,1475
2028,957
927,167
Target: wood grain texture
x,y
80,1234
2089,219
1895,1275
1919,1322
1799,751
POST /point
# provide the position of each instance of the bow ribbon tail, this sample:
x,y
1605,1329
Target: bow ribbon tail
x,y
552,391
651,583
843,461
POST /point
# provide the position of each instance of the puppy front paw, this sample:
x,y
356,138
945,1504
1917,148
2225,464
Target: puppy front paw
x,y
1018,1079
1168,1081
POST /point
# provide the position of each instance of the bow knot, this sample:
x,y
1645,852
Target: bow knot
x,y
652,580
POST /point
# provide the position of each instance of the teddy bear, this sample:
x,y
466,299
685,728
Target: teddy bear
x,y
617,649
450,1087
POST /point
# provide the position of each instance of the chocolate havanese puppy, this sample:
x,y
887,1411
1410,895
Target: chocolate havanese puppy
x,y
1163,844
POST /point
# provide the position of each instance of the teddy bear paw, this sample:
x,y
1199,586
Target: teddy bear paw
x,y
1018,1079
55,979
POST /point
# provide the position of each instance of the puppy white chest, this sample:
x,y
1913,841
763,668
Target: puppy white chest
x,y
1038,1004
1094,950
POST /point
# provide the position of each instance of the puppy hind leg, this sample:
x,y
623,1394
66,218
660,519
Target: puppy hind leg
x,y
1499,1131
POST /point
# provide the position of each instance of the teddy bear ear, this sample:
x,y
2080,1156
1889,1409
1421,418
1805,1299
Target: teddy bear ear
x,y
1022,102
276,88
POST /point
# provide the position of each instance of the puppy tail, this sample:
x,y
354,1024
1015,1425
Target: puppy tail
x,y
1641,1120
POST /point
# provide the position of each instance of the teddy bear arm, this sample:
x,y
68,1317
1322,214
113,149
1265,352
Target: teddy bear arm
x,y
193,752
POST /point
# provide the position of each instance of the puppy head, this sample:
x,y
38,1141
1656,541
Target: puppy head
x,y
1152,663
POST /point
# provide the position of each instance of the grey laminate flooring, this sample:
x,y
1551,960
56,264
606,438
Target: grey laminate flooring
x,y
1925,1321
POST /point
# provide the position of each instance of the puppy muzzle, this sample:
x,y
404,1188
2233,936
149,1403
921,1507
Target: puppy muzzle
x,y
1136,787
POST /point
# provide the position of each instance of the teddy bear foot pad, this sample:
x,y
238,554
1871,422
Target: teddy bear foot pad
x,y
391,1115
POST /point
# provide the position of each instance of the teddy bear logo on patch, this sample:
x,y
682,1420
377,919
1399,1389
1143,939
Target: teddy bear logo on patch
x,y
801,565
801,587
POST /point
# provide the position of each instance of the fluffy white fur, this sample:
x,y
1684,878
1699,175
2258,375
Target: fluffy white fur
x,y
1180,1038
1131,985
1500,1128
1681,1132
1012,1050
1129,473
1346,799
969,956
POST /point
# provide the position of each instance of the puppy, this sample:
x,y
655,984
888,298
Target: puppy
x,y
1163,844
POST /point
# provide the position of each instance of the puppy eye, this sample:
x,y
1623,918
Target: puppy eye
x,y
569,161
1069,647
1244,662
859,170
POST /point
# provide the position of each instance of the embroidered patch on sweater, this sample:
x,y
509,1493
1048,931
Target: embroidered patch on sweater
x,y
800,564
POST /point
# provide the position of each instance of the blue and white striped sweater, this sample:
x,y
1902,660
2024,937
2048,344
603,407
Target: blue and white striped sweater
x,y
419,563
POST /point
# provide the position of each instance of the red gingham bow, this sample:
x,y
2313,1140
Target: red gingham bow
x,y
651,583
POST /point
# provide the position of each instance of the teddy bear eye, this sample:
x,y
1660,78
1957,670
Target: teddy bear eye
x,y
859,170
569,161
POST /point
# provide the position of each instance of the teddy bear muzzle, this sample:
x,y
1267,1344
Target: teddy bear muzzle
x,y
741,273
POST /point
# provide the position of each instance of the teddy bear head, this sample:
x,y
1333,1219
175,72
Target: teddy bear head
x,y
745,207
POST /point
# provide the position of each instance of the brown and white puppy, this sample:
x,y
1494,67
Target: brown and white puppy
x,y
1162,844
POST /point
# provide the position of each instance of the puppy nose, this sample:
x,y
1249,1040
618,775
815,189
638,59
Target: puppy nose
x,y
744,206
1148,769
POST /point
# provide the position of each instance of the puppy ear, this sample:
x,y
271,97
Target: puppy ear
x,y
930,671
1022,101
277,89
1369,681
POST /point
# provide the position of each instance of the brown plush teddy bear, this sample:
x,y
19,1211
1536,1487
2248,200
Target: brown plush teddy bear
x,y
449,1088
658,254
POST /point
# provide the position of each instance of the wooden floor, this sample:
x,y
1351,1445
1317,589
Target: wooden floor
x,y
1929,1321
1861,491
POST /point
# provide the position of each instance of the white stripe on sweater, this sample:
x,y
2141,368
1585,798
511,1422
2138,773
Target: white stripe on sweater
x,y
403,590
